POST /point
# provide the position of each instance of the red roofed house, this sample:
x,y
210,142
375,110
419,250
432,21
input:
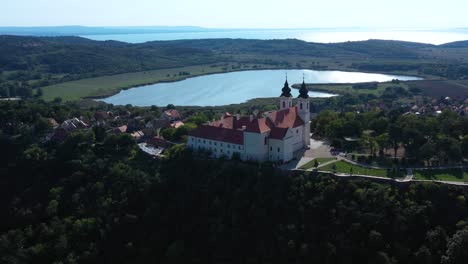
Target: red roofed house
x,y
171,115
275,136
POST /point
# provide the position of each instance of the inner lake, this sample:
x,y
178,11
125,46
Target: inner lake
x,y
238,87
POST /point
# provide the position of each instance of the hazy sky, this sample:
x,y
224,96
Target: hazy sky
x,y
236,13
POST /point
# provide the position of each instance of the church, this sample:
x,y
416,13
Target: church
x,y
273,136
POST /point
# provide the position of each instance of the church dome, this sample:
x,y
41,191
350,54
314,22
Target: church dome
x,y
303,92
286,91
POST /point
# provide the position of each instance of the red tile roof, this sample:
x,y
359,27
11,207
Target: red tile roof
x,y
257,125
172,113
219,134
278,133
230,129
286,118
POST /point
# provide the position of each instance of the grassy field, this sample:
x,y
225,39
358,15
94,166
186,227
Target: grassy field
x,y
345,167
348,88
108,85
442,175
311,163
452,88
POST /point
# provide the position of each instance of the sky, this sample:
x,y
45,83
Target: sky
x,y
237,13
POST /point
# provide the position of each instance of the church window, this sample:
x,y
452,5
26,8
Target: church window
x,y
300,106
284,104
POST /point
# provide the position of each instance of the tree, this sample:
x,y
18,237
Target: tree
x,y
457,246
464,146
197,119
383,141
427,151
39,92
395,134
169,133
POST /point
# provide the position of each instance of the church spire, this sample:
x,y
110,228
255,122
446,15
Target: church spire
x,y
286,91
303,92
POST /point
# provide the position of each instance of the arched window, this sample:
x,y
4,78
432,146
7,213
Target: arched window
x,y
284,104
300,106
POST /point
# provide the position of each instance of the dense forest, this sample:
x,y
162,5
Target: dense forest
x,y
31,62
95,198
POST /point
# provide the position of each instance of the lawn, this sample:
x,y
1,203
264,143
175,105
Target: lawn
x,y
442,174
345,167
311,163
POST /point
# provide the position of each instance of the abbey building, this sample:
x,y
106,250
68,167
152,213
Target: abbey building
x,y
272,136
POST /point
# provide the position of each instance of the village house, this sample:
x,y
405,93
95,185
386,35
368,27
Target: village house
x,y
171,115
274,136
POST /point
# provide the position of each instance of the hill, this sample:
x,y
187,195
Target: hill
x,y
42,61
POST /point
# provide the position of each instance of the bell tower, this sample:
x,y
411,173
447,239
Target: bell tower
x,y
285,97
303,109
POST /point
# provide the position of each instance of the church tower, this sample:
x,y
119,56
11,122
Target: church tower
x,y
303,109
285,97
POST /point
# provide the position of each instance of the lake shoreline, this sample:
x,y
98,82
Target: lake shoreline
x,y
112,93
237,86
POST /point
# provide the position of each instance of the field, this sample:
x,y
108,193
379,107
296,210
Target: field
x,y
437,89
348,88
442,175
345,167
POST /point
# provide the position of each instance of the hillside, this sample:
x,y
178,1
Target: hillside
x,y
42,61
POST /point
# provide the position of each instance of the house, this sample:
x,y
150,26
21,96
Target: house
x,y
73,124
177,124
171,115
138,135
120,129
158,123
273,136
67,127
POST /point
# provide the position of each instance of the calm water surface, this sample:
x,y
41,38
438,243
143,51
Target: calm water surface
x,y
433,36
237,87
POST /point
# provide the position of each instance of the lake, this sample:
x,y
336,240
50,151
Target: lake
x,y
237,87
324,35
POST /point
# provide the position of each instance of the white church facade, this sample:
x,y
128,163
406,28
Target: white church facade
x,y
273,136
